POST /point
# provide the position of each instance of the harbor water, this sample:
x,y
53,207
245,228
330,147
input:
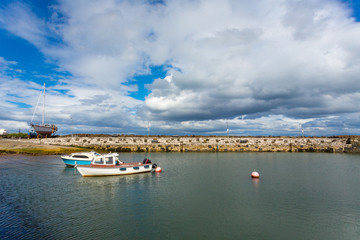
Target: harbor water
x,y
196,196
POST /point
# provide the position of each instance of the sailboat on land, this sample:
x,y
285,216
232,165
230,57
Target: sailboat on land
x,y
43,130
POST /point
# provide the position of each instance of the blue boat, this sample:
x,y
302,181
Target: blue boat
x,y
83,158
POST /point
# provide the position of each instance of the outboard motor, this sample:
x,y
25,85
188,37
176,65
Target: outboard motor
x,y
146,161
154,165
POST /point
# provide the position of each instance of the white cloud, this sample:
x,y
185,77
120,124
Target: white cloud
x,y
19,19
274,61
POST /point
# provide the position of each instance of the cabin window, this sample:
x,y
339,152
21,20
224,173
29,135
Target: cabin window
x,y
123,169
80,156
146,166
136,168
99,161
109,160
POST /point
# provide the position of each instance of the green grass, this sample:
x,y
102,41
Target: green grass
x,y
42,151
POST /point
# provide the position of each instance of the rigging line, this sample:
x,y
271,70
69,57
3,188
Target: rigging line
x,y
42,89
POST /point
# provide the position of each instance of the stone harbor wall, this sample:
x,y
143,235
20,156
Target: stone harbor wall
x,y
121,143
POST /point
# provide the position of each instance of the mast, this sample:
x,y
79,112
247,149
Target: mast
x,y
43,115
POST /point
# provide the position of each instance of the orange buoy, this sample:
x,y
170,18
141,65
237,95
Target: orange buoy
x,y
255,174
158,169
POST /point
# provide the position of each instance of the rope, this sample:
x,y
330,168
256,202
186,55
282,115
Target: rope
x,y
36,105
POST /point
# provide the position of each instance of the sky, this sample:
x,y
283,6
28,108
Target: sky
x,y
182,67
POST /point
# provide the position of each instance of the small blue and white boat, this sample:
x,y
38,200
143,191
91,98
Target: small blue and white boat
x,y
83,158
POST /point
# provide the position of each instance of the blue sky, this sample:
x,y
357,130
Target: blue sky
x,y
354,5
187,67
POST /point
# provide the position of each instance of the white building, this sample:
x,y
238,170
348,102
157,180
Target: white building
x,y
3,132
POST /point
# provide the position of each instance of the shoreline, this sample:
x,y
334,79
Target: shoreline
x,y
128,143
18,146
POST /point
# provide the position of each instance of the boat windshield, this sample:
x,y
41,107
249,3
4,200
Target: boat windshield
x,y
109,160
106,160
99,161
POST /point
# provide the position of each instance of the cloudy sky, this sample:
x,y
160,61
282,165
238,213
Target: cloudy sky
x,y
265,67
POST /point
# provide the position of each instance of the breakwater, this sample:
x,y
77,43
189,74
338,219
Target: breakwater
x,y
121,143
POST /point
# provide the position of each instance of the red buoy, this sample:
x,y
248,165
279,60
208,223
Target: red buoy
x,y
255,174
158,169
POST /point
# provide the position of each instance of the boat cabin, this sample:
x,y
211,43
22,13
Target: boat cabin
x,y
106,159
79,156
84,155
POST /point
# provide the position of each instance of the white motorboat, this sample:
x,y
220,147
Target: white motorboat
x,y
110,165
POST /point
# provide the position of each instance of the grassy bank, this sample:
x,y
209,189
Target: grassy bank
x,y
13,146
43,151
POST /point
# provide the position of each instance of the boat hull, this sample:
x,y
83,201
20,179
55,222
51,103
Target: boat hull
x,y
122,169
73,162
44,130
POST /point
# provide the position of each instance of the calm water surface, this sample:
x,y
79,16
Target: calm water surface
x,y
197,196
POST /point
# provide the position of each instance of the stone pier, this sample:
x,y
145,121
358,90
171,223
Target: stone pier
x,y
126,143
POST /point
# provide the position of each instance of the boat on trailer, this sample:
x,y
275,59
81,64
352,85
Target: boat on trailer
x,y
82,158
110,165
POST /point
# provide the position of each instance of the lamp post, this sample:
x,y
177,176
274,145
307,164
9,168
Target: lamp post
x,y
227,129
148,128
302,130
71,126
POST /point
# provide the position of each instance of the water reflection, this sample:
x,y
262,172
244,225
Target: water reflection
x,y
255,182
199,196
110,180
69,171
